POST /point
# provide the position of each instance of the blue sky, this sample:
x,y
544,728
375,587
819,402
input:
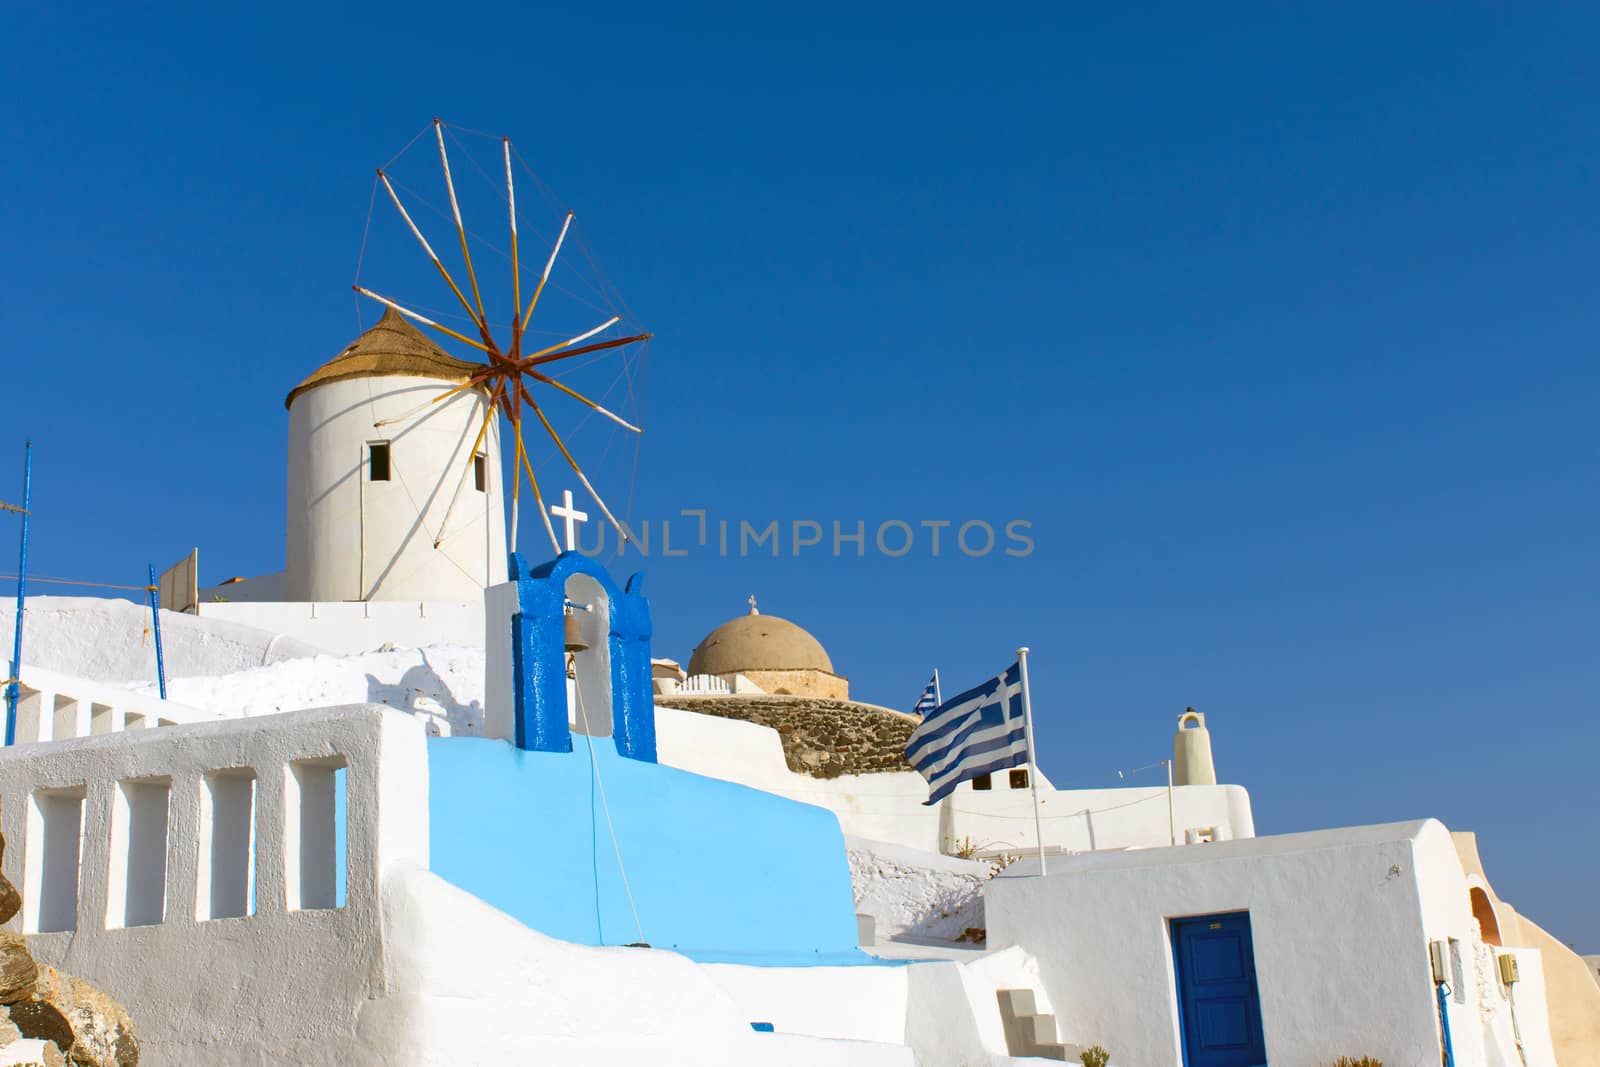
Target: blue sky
x,y
1276,323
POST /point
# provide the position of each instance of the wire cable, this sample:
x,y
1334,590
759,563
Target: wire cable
x,y
583,717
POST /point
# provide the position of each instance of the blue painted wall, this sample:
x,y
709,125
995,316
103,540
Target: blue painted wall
x,y
718,871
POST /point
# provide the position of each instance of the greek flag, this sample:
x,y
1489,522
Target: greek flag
x,y
929,699
980,731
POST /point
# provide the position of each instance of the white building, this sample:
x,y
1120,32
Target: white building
x,y
1306,946
771,712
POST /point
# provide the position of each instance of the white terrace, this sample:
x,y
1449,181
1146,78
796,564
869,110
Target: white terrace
x,y
197,871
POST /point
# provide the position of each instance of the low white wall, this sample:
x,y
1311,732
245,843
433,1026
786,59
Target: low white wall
x,y
1340,919
345,628
947,1012
857,1003
277,986
889,806
55,707
469,984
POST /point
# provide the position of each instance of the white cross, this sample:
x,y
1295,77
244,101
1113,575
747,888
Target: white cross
x,y
570,517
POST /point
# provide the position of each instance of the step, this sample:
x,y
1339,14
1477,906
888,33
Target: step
x,y
1015,1003
1039,1030
1028,1032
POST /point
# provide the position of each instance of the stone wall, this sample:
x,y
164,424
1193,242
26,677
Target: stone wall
x,y
821,738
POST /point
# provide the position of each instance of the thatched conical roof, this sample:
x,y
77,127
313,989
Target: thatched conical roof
x,y
393,347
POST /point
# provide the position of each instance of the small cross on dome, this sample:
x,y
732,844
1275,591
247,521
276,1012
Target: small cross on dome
x,y
753,610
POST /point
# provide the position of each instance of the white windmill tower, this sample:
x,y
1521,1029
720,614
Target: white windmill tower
x,y
388,501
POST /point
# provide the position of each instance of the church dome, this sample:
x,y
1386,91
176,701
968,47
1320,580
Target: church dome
x,y
756,642
392,348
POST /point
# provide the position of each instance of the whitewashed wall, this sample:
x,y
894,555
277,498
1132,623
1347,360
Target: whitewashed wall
x,y
479,987
354,539
163,820
350,628
888,806
1341,921
109,640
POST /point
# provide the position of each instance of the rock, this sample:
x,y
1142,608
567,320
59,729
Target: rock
x,y
35,1018
31,1052
101,1028
18,972
10,899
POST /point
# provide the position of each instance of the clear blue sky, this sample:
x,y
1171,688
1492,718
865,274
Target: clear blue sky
x,y
1276,322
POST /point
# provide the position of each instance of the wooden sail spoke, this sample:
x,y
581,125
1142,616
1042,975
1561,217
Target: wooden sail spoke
x,y
455,209
517,322
408,313
538,497
476,318
624,423
606,325
551,430
477,379
548,264
582,350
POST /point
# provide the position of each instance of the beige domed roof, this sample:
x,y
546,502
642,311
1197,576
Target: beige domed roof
x,y
393,347
756,642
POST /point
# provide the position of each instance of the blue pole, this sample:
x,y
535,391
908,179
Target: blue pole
x,y
1444,1026
155,617
13,691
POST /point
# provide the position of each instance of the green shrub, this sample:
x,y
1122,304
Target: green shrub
x,y
1095,1056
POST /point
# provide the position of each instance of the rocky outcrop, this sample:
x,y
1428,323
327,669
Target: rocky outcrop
x,y
18,973
100,1029
821,738
48,1019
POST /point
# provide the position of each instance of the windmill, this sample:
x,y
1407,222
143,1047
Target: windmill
x,y
512,371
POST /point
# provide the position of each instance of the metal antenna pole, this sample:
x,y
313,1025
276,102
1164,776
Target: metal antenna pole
x,y
155,622
13,690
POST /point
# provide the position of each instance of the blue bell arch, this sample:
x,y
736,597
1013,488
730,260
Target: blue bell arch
x,y
538,651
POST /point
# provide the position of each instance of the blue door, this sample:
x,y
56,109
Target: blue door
x,y
1218,1005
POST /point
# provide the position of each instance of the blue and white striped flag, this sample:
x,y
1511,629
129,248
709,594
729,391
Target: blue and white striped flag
x,y
929,700
981,731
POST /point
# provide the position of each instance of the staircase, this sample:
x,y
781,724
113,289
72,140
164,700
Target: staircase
x,y
1027,1032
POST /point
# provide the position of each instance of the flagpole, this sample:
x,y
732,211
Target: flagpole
x,y
1033,762
938,697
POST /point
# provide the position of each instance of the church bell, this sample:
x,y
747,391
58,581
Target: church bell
x,y
573,632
